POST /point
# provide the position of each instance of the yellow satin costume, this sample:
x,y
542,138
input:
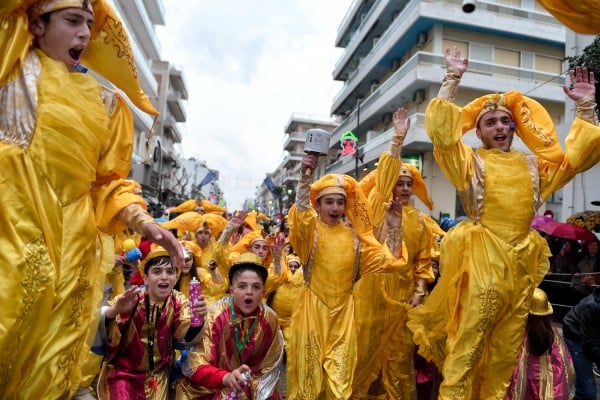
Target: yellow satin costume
x,y
385,344
472,323
284,298
322,350
65,145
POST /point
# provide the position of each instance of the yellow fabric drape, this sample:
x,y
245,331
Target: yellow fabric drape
x,y
581,16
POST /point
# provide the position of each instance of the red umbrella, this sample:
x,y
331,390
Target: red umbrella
x,y
566,231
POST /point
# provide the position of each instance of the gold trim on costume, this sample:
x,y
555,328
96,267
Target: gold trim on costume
x,y
134,216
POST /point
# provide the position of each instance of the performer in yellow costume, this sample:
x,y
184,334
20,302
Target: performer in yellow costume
x,y
385,345
322,350
471,325
581,16
65,147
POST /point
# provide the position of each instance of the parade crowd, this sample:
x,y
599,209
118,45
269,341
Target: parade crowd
x,y
355,293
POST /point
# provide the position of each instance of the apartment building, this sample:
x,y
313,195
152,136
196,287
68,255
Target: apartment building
x,y
157,163
285,177
393,57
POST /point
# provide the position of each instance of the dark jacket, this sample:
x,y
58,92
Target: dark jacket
x,y
582,325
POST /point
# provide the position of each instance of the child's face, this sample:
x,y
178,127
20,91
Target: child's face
x,y
247,291
260,248
160,280
66,36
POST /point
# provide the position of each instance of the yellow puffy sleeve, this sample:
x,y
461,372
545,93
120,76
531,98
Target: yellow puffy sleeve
x,y
443,125
111,192
15,38
388,170
581,154
302,230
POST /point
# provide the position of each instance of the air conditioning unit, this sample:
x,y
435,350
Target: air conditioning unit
x,y
419,96
421,40
376,40
396,64
386,118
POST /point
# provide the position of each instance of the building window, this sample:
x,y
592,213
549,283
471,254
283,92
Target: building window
x,y
507,57
462,46
481,52
548,64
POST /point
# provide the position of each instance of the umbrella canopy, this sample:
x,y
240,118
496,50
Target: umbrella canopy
x,y
566,230
589,220
540,220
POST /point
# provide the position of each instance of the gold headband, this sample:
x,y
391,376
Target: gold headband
x,y
46,6
406,172
494,104
331,190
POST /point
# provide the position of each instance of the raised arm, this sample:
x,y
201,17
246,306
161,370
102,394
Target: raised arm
x,y
401,126
455,68
583,93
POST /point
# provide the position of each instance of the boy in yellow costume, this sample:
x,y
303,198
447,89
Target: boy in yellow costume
x,y
385,345
471,325
322,350
65,147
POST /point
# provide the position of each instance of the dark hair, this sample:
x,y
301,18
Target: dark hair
x,y
161,260
539,334
238,269
45,17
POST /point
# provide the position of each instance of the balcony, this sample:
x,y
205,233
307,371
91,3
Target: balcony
x,y
292,140
156,11
423,71
402,34
170,127
142,27
177,81
176,106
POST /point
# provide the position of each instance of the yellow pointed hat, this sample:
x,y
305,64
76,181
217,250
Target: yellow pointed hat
x,y
419,187
533,124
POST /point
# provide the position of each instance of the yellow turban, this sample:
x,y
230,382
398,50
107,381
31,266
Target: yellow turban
x,y
357,208
419,188
533,124
186,206
191,221
245,243
212,207
582,16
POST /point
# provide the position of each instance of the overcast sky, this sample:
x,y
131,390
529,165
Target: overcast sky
x,y
248,66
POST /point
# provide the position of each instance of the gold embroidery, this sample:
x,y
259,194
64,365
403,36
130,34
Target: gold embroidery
x,y
37,261
312,352
114,33
528,120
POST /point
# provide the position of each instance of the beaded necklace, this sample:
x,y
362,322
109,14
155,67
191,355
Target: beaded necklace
x,y
240,343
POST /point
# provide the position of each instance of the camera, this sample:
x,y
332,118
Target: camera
x,y
468,6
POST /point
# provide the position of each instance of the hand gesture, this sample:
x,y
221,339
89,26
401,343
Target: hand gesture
x,y
238,218
393,215
164,238
235,380
582,84
124,304
454,62
401,120
279,243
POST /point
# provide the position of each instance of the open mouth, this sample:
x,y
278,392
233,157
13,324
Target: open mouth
x,y
248,302
500,138
76,53
163,286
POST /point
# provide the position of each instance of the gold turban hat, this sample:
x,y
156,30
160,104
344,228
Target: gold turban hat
x,y
532,122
